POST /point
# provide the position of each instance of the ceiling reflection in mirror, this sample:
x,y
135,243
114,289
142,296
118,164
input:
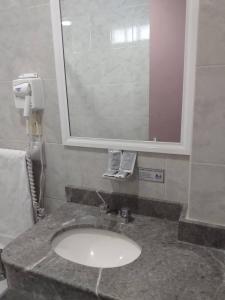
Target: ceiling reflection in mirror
x,y
124,63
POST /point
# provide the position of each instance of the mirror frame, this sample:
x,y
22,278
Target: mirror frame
x,y
190,56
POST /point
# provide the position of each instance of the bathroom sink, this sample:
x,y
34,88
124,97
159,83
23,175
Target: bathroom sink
x,y
96,247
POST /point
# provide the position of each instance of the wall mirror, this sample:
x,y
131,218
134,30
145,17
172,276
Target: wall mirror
x,y
126,73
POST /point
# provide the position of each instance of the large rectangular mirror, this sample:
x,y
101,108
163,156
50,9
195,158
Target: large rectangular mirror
x,y
126,71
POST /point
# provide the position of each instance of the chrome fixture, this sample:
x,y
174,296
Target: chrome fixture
x,y
125,214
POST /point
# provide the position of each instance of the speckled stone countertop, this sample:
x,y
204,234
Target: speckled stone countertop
x,y
166,270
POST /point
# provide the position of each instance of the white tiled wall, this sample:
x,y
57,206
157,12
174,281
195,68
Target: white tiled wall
x,y
26,46
207,199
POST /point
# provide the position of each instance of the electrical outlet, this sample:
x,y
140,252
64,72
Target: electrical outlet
x,y
154,175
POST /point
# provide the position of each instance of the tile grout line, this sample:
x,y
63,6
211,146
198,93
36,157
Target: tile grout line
x,y
38,5
211,66
16,7
208,164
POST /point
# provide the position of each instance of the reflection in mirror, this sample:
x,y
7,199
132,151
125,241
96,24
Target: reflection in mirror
x,y
124,63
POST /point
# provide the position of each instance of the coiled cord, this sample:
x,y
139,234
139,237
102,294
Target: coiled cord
x,y
38,202
34,197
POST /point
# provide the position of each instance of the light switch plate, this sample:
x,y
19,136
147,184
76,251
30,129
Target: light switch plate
x,y
154,175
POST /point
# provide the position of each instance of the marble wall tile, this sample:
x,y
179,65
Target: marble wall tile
x,y
55,172
51,120
146,189
176,183
30,3
85,168
207,176
209,117
211,39
75,167
40,40
13,144
151,160
73,7
52,204
27,33
207,194
78,167
177,179
11,120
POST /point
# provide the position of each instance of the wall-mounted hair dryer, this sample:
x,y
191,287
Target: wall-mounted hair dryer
x,y
23,91
28,93
29,97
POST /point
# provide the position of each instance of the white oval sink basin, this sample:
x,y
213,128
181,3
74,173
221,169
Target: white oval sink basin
x,y
96,248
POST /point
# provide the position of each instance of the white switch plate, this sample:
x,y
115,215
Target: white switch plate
x,y
154,175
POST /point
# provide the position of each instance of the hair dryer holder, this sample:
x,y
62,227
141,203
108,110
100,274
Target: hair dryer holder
x,y
28,93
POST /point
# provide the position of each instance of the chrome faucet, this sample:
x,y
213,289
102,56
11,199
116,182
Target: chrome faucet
x,y
125,214
104,207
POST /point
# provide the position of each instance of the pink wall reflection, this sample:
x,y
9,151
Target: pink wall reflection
x,y
167,24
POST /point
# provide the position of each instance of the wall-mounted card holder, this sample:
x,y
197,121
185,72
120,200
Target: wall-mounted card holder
x,y
120,164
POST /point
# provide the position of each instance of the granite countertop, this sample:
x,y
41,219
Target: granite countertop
x,y
166,270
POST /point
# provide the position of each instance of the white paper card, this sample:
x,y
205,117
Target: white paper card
x,y
128,161
114,160
120,164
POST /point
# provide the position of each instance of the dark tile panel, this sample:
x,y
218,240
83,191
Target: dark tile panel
x,y
199,233
142,206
